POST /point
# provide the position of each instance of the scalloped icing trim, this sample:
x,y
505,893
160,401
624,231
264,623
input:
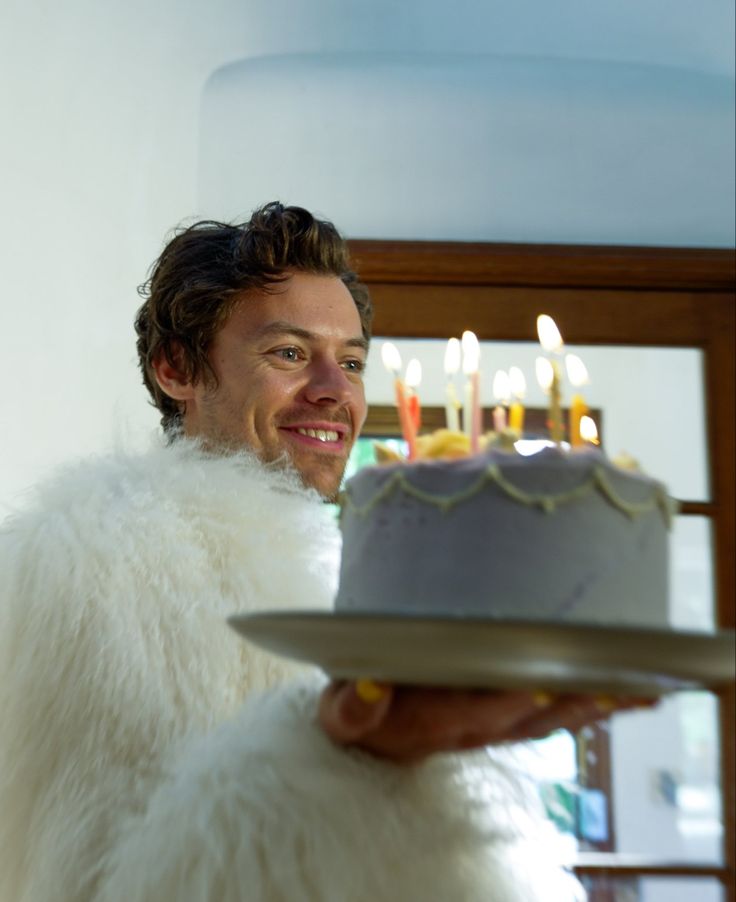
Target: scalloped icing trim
x,y
492,474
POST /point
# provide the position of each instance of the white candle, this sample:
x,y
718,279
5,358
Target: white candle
x,y
549,335
471,368
501,392
452,365
588,430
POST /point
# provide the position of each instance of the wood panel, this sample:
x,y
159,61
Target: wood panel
x,y
656,318
676,297
562,265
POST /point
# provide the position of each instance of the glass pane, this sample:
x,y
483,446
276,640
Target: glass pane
x,y
692,604
651,398
653,889
648,782
665,780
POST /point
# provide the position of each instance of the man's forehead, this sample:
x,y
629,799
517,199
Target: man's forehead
x,y
326,311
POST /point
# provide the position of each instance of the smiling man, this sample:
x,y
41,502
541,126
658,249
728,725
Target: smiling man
x,y
148,753
286,379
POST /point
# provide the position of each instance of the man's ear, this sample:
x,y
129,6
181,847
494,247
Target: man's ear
x,y
171,379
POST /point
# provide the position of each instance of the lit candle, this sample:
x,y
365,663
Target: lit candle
x,y
413,380
471,368
551,341
577,375
501,392
517,385
452,365
588,430
392,361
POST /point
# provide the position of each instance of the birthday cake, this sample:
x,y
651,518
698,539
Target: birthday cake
x,y
554,536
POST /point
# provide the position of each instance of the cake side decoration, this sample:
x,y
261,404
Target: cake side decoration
x,y
596,481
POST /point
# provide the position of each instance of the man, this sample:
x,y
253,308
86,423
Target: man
x,y
147,753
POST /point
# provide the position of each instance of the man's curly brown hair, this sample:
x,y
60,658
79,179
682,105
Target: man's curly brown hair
x,y
203,273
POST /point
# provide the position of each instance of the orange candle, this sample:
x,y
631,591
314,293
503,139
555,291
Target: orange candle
x,y
412,380
405,418
392,361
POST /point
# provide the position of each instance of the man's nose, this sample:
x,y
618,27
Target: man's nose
x,y
328,383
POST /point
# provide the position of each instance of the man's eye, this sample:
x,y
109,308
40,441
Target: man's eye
x,y
354,365
288,354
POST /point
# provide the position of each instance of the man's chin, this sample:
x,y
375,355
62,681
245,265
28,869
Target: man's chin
x,y
327,484
322,474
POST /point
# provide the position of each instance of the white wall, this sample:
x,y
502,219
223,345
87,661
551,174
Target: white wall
x,y
477,147
102,106
120,119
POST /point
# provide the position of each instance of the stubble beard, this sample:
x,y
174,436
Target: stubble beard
x,y
219,440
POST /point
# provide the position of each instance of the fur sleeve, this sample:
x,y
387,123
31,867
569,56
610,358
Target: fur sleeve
x,y
130,771
266,809
114,591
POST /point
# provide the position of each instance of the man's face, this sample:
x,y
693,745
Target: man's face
x,y
289,365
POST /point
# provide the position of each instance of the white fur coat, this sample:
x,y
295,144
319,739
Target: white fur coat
x,y
148,753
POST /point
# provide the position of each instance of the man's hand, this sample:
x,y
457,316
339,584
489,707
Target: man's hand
x,y
405,724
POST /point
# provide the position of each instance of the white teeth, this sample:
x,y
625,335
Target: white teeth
x,y
324,435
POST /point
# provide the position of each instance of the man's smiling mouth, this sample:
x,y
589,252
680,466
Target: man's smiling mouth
x,y
319,436
324,435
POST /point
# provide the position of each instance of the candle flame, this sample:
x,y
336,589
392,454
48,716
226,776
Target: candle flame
x,y
413,373
517,382
577,372
391,357
545,373
471,353
588,430
549,334
501,386
452,357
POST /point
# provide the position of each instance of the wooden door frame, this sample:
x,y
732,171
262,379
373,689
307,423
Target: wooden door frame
x,y
640,296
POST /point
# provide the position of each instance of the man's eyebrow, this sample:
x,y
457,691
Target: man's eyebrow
x,y
282,327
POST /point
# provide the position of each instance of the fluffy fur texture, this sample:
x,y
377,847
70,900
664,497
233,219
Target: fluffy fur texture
x,y
145,753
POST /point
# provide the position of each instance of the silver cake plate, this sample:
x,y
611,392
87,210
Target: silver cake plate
x,y
496,654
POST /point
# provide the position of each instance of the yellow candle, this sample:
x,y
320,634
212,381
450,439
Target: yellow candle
x,y
555,405
516,417
577,374
517,384
551,341
588,431
578,410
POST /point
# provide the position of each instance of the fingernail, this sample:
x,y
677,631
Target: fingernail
x,y
369,692
543,699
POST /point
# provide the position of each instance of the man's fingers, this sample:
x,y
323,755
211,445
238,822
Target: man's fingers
x,y
573,712
348,711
